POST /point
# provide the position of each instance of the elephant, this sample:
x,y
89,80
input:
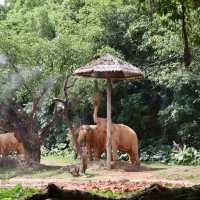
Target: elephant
x,y
93,140
9,144
123,138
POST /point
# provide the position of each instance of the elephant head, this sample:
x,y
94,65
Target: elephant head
x,y
86,134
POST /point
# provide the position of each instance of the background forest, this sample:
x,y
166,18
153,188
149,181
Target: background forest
x,y
43,40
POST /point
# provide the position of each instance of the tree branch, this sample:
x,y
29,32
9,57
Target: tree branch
x,y
58,100
36,102
20,114
44,131
66,86
18,72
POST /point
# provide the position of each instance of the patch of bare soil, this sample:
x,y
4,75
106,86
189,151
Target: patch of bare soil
x,y
122,178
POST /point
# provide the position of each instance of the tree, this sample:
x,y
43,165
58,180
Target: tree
x,y
14,118
179,11
36,67
67,104
45,40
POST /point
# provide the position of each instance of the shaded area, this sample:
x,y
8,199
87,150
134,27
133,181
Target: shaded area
x,y
154,192
129,167
13,162
11,167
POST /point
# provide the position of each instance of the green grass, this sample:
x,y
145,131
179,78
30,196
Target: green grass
x,y
108,193
20,193
89,174
155,164
52,167
58,160
42,173
7,173
114,195
177,172
16,193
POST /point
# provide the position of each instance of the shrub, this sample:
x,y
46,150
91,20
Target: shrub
x,y
123,156
58,150
171,154
156,153
185,156
16,193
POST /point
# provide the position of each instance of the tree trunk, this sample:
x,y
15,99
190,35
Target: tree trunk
x,y
32,146
32,155
30,140
73,132
77,148
187,51
152,7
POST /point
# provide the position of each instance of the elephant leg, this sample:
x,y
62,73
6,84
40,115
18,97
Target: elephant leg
x,y
89,152
137,159
97,155
134,158
90,156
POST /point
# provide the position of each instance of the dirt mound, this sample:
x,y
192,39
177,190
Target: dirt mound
x,y
154,192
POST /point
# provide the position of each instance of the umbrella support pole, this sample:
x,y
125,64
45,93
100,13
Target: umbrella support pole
x,y
109,125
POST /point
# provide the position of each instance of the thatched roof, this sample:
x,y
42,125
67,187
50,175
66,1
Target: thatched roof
x,y
109,67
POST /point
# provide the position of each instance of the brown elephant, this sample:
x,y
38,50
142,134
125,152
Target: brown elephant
x,y
9,144
93,140
123,138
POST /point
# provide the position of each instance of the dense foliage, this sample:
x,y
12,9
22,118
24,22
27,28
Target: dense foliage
x,y
16,193
45,39
179,155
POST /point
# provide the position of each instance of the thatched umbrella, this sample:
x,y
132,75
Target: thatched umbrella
x,y
110,68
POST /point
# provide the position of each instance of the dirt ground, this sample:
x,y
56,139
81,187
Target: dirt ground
x,y
98,176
